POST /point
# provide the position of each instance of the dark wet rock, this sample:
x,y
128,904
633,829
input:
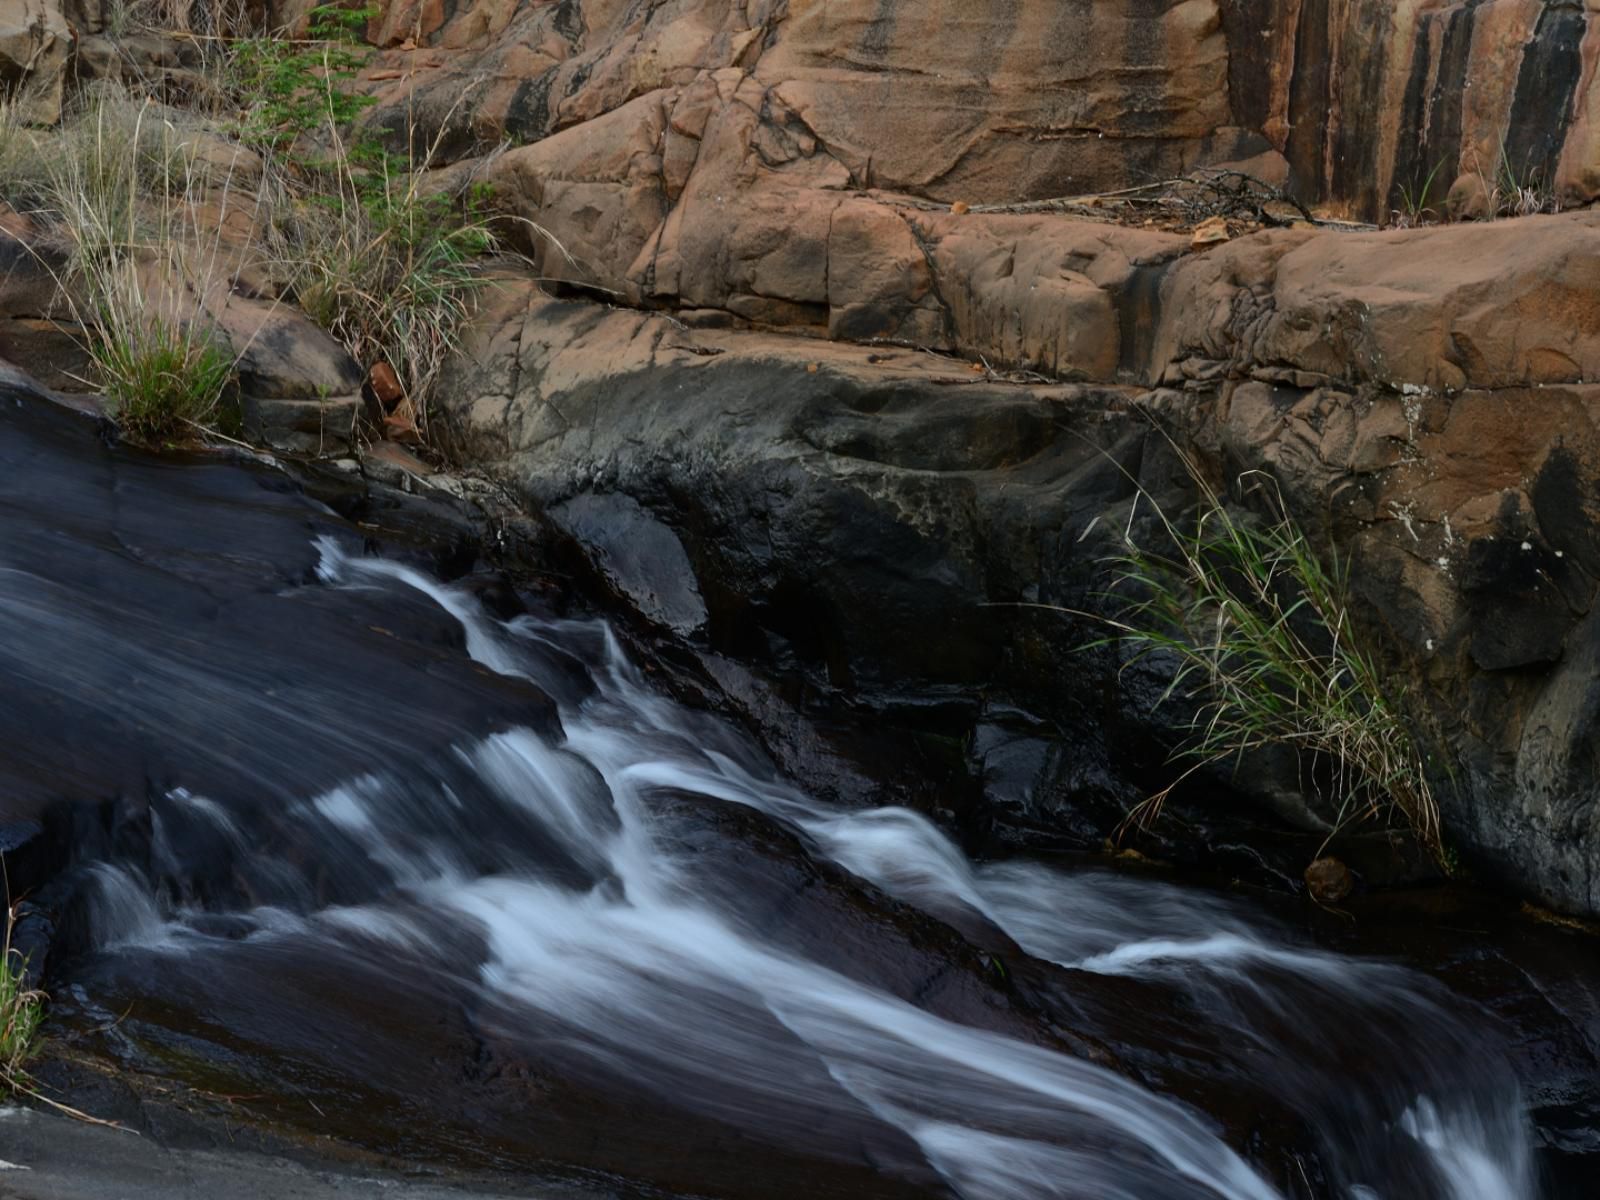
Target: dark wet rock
x,y
1538,975
889,532
390,1041
59,1158
157,586
893,544
639,555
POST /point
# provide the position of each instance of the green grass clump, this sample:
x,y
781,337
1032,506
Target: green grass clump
x,y
21,1012
1416,202
1260,630
165,378
390,271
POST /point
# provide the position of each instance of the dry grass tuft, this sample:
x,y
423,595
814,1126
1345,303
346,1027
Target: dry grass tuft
x,y
119,192
1261,633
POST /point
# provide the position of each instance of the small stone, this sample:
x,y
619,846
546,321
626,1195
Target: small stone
x,y
960,208
1209,232
1329,880
387,461
812,368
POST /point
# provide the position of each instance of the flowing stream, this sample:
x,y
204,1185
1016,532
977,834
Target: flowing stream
x,y
593,920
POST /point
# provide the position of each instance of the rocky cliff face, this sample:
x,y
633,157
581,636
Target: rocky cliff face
x,y
986,104
1427,397
870,520
794,163
1000,103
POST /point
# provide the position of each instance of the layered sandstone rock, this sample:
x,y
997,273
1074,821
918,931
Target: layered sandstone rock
x,y
1428,400
795,164
1355,106
35,44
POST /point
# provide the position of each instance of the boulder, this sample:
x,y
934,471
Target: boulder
x,y
35,45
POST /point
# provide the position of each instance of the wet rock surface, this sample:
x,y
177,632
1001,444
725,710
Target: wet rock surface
x,y
386,1041
896,532
157,585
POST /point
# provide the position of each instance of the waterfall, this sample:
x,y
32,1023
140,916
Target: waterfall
x,y
611,940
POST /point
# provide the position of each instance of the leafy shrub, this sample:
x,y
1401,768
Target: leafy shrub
x,y
292,88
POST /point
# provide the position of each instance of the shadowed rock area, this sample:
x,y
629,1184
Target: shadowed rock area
x,y
870,519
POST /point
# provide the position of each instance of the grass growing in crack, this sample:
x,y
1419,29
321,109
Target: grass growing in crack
x,y
1514,192
21,1015
167,378
21,1012
389,269
1415,202
1260,630
1520,193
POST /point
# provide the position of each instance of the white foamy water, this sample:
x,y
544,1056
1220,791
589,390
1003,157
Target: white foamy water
x,y
650,972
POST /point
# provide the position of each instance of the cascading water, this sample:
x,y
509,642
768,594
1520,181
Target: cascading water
x,y
607,940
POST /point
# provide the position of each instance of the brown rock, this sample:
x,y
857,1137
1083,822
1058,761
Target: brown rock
x,y
35,44
401,425
1209,232
282,354
392,462
1470,198
385,386
1329,881
1502,304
